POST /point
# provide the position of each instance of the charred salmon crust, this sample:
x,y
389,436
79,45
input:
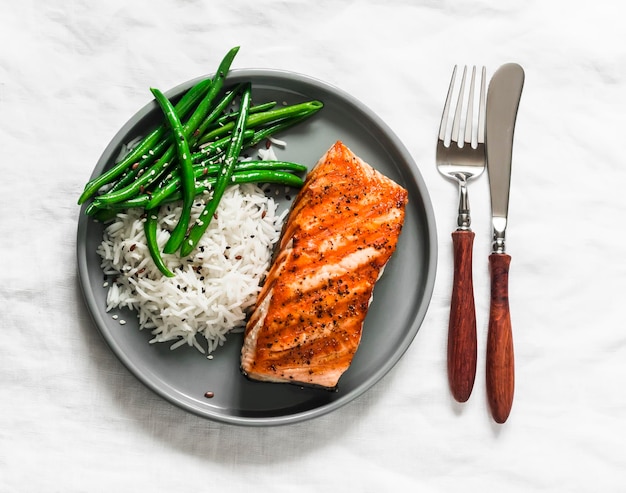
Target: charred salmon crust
x,y
341,231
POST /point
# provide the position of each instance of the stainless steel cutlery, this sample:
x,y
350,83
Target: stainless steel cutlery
x,y
464,149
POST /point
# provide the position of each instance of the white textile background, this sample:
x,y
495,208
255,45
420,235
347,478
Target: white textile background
x,y
74,419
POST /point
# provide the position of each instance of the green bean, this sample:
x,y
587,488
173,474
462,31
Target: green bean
x,y
202,173
162,145
267,132
144,181
95,208
259,165
219,108
204,168
138,167
279,177
287,117
252,176
280,172
276,176
157,151
189,99
159,169
199,119
232,153
150,176
150,230
162,169
258,108
214,149
187,181
273,116
104,215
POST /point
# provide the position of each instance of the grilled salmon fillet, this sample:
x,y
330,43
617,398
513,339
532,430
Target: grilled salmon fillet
x,y
342,229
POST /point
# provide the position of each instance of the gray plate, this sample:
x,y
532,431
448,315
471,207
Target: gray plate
x,y
401,297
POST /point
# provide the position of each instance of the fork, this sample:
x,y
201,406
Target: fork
x,y
462,159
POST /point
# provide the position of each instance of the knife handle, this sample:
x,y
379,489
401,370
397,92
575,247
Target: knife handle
x,y
462,325
500,359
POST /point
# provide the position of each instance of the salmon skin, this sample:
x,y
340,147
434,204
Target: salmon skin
x,y
342,229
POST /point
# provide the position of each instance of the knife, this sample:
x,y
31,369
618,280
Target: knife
x,y
503,97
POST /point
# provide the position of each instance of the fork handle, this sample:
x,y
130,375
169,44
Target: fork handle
x,y
500,359
462,325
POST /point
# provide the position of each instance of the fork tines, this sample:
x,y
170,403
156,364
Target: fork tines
x,y
468,123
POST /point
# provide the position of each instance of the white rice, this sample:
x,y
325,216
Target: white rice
x,y
213,289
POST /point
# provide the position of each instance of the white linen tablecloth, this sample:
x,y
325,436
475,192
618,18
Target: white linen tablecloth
x,y
74,419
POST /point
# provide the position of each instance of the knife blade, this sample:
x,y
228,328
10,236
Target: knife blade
x,y
503,97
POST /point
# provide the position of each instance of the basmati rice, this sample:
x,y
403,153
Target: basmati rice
x,y
213,289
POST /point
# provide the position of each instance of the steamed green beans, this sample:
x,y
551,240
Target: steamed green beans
x,y
154,173
196,150
187,177
150,230
279,119
266,117
182,107
279,172
223,179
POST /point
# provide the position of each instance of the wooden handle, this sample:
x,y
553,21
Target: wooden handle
x,y
500,361
462,326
